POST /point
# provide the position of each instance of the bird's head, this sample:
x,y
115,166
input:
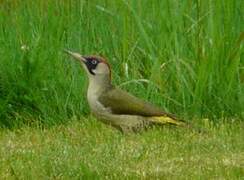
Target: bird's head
x,y
95,66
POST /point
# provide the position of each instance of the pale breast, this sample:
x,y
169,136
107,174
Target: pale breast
x,y
95,105
97,86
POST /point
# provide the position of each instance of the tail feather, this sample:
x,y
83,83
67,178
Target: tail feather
x,y
162,120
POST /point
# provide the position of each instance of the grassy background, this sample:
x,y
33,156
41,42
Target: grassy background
x,y
185,56
189,53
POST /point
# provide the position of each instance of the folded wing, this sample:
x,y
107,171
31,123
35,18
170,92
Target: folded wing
x,y
121,102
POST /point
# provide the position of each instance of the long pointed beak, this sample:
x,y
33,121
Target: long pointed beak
x,y
75,55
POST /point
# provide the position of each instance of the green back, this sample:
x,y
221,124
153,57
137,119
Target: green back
x,y
121,102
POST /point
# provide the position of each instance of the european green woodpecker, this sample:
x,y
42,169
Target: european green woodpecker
x,y
115,106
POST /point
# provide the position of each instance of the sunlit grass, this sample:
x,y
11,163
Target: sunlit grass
x,y
184,56
91,149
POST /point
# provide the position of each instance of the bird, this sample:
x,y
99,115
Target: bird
x,y
115,106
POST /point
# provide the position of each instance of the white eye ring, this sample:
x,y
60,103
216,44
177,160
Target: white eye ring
x,y
94,61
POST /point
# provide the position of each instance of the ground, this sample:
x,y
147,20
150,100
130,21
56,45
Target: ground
x,y
90,149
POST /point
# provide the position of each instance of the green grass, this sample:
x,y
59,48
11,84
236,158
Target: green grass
x,y
184,56
190,53
89,149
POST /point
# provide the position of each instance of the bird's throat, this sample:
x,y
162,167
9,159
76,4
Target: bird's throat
x,y
97,86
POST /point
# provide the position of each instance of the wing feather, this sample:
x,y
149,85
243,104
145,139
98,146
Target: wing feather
x,y
121,102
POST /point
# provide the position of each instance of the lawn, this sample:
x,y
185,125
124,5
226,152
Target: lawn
x,y
185,56
89,149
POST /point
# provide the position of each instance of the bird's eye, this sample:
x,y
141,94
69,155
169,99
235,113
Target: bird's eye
x,y
94,61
